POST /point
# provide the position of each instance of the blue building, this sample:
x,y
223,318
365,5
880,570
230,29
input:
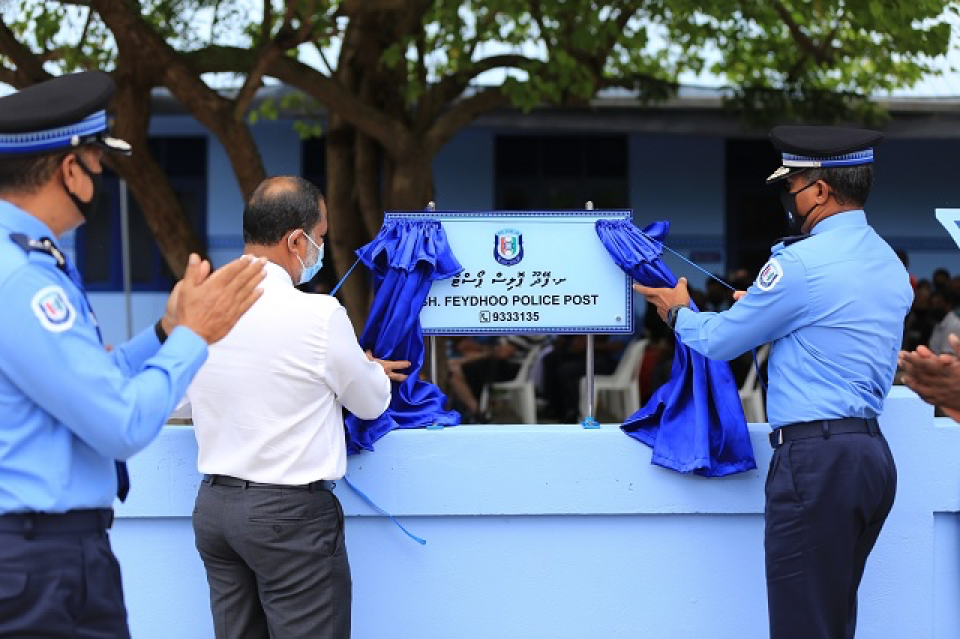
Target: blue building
x,y
687,160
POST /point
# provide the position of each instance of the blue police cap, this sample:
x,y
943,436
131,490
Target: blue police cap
x,y
809,147
60,114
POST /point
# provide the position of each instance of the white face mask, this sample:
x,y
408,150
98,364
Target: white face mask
x,y
309,272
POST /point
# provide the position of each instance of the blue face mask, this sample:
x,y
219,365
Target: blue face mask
x,y
309,272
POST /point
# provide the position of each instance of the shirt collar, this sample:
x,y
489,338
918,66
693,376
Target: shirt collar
x,y
854,217
16,219
278,273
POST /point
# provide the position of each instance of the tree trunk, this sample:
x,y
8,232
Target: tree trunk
x,y
346,232
409,182
148,183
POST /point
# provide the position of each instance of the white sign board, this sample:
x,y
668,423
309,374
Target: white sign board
x,y
527,272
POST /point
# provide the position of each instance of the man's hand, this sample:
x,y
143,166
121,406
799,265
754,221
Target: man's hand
x,y
210,305
169,320
390,367
665,298
935,378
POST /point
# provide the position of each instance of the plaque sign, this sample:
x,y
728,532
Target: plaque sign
x,y
527,272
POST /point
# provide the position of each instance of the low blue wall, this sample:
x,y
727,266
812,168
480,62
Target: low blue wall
x,y
554,531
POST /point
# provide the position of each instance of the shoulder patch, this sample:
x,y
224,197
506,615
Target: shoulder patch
x,y
770,274
53,308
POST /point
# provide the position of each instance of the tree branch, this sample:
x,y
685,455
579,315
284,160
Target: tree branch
x,y
86,27
821,53
451,86
29,67
9,77
382,127
328,92
462,113
156,56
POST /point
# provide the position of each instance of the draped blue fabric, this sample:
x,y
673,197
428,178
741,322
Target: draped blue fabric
x,y
407,255
694,422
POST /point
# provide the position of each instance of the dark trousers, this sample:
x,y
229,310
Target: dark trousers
x,y
276,562
826,501
60,584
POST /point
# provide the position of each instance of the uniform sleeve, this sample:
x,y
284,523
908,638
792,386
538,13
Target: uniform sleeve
x,y
774,306
360,385
53,354
132,354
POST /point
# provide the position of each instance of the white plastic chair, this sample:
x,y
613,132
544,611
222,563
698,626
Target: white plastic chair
x,y
751,394
623,384
520,390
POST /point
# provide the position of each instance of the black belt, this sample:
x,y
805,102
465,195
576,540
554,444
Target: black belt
x,y
824,428
234,482
94,520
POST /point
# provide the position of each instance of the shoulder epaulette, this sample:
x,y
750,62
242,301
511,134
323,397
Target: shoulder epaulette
x,y
43,245
791,239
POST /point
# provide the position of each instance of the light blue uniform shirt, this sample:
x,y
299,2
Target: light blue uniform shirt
x,y
68,408
832,305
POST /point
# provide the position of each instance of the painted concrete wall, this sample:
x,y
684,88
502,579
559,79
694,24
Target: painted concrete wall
x,y
560,532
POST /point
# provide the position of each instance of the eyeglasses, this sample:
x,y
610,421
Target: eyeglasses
x,y
801,190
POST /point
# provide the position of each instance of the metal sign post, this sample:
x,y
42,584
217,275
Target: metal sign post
x,y
125,255
432,206
589,420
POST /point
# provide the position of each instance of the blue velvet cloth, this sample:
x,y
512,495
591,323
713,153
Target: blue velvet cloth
x,y
405,258
695,421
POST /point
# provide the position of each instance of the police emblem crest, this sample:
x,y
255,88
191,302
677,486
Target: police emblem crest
x,y
53,308
770,274
508,246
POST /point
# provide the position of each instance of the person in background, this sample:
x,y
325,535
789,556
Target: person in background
x,y
941,280
919,323
496,362
72,411
719,297
906,264
949,324
267,410
566,364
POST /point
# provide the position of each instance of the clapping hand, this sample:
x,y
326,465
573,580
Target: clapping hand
x,y
211,303
935,378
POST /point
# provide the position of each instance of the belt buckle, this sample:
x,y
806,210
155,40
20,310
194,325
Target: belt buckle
x,y
779,437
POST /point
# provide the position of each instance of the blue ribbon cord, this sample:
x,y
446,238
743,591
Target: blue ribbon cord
x,y
344,278
693,264
712,276
363,496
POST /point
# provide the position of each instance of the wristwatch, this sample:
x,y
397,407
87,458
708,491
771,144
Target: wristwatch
x,y
158,329
672,315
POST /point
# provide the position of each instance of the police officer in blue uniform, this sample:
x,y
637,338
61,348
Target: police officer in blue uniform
x,y
71,411
831,300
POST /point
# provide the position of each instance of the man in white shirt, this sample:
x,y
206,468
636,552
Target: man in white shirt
x,y
267,410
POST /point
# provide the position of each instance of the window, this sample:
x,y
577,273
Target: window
x,y
99,241
560,172
313,162
755,218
